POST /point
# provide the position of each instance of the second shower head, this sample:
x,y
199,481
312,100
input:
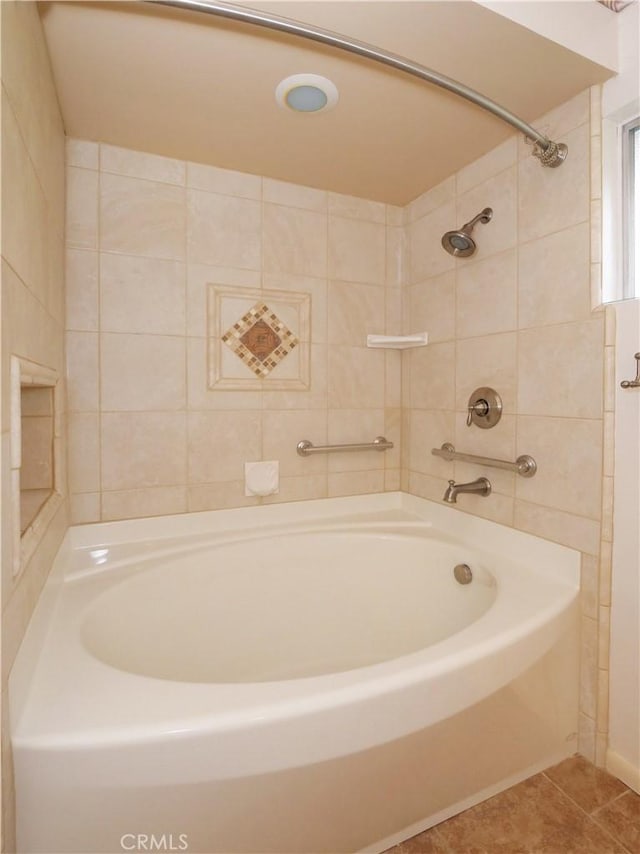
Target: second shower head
x,y
460,243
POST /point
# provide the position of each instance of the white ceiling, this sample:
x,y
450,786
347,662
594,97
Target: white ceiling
x,y
199,88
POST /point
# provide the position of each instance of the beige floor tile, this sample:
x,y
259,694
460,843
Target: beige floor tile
x,y
537,817
588,786
428,842
533,817
621,818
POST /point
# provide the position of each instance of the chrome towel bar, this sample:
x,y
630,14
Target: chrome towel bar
x,y
524,465
305,448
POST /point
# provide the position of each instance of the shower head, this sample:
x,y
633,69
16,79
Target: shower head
x,y
460,243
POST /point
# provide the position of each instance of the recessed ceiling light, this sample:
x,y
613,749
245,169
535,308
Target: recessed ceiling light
x,y
306,93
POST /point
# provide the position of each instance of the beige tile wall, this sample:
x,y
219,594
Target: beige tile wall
x,y
518,316
145,234
32,296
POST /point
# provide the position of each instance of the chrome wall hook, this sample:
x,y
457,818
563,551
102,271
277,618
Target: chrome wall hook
x,y
633,383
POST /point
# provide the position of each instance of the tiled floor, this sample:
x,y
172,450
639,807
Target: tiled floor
x,y
572,808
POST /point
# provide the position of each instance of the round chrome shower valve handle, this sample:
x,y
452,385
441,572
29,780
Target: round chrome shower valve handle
x,y
479,408
484,408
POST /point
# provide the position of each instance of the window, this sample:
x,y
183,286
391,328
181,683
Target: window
x,y
631,208
621,204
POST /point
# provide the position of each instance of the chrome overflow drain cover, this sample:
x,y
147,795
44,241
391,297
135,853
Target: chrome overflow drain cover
x,y
462,573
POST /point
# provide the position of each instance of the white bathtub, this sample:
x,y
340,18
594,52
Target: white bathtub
x,y
292,678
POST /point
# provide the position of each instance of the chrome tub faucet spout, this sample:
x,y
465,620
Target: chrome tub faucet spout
x,y
481,486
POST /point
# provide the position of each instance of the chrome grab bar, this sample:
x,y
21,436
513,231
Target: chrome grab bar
x,y
524,465
305,448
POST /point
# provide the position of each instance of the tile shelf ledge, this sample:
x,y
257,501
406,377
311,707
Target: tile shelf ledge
x,y
398,342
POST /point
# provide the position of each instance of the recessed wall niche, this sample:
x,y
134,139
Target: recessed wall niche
x,y
35,454
37,469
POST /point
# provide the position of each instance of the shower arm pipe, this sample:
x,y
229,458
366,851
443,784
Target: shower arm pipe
x,y
548,152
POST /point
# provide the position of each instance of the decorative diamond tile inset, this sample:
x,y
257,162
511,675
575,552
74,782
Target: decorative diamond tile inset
x,y
260,339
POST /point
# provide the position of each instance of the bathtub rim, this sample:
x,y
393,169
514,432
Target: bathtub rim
x,y
565,584
467,526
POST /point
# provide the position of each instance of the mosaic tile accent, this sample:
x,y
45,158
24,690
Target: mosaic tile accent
x,y
260,339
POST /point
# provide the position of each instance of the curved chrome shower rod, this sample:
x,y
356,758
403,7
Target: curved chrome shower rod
x,y
548,152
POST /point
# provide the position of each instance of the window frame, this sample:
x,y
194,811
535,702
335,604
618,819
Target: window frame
x,y
615,280
630,205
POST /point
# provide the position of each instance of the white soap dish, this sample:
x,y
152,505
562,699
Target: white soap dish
x,y
398,342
